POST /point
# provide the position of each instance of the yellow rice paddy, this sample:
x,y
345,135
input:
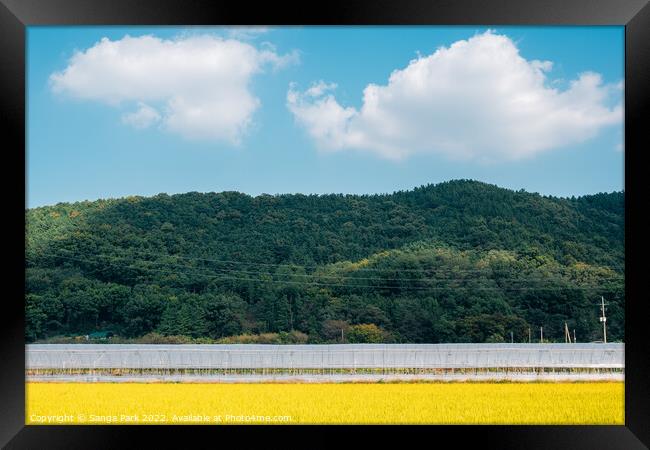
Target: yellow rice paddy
x,y
405,403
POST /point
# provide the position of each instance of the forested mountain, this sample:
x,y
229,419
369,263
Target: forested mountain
x,y
460,261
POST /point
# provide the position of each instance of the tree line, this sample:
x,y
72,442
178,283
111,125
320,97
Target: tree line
x,y
460,261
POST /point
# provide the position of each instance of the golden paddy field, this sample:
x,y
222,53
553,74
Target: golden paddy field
x,y
350,403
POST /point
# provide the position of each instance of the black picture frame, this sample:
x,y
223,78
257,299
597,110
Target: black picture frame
x,y
16,15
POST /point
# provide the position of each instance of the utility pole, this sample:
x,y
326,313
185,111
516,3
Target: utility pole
x,y
567,335
574,336
512,340
603,319
541,335
529,341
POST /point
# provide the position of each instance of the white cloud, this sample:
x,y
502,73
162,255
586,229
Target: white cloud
x,y
246,32
144,117
319,88
478,99
196,86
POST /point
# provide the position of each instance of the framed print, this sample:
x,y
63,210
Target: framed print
x,y
420,214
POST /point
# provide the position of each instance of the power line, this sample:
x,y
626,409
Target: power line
x,y
320,276
422,288
487,271
527,279
294,265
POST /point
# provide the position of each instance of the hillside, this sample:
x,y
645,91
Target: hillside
x,y
460,261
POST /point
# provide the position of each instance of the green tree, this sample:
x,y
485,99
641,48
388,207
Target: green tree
x,y
366,333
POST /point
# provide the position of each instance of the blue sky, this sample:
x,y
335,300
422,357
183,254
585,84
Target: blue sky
x,y
282,110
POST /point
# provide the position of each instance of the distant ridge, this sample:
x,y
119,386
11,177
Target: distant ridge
x,y
215,265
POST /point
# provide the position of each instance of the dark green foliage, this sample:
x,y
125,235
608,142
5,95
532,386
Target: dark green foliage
x,y
460,261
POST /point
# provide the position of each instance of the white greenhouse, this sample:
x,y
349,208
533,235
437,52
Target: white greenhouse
x,y
116,360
